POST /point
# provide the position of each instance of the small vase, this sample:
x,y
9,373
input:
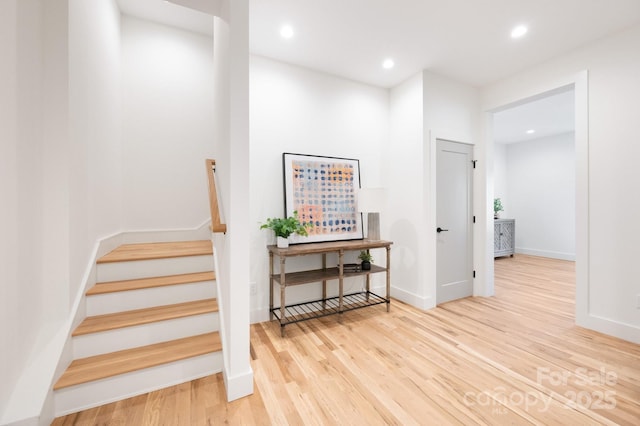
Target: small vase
x,y
283,242
366,266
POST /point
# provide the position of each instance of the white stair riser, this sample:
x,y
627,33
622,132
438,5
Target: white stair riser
x,y
100,392
141,335
120,301
117,271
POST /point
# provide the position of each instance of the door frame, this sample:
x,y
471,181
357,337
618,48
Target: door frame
x,y
580,83
429,207
471,206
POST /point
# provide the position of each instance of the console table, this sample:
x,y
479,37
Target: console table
x,y
288,314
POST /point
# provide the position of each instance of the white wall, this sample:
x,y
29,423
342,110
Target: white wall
x,y
167,127
424,108
404,153
297,110
34,300
95,147
20,69
541,182
64,143
500,189
231,142
55,167
607,287
451,112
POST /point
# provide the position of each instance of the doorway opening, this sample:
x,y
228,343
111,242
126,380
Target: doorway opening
x,y
578,84
534,174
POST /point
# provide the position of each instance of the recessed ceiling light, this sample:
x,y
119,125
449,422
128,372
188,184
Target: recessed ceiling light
x,y
388,64
286,31
518,31
530,131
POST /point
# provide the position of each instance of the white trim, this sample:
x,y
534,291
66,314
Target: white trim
x,y
611,327
429,243
200,232
420,302
583,256
484,183
259,315
49,361
430,209
580,83
109,243
221,308
546,253
238,386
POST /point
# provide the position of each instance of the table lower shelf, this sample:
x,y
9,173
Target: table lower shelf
x,y
330,306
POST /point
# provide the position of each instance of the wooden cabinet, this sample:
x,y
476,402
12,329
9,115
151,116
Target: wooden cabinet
x,y
288,314
504,237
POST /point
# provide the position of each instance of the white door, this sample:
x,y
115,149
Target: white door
x,y
454,219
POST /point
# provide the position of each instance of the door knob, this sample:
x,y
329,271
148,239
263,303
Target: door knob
x,y
439,230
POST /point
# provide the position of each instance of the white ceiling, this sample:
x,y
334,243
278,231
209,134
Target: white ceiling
x,y
467,40
168,13
548,116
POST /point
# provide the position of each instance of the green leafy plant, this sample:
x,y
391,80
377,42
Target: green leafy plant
x,y
497,205
365,256
287,226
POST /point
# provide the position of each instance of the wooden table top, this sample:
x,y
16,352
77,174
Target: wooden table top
x,y
327,247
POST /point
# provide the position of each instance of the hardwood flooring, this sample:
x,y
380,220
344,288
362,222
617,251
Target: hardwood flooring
x,y
516,358
98,323
150,251
142,283
108,365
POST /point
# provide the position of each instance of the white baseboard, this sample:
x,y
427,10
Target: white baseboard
x,y
419,302
259,315
109,243
546,253
30,395
238,386
610,327
201,232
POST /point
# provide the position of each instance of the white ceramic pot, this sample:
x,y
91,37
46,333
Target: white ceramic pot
x,y
283,242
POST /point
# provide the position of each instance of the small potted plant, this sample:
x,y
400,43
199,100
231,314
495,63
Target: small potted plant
x,y
366,259
497,208
283,228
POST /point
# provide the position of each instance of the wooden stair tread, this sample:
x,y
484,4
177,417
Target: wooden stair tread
x,y
113,321
149,251
125,285
107,365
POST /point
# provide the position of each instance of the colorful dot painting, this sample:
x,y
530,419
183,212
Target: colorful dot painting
x,y
324,194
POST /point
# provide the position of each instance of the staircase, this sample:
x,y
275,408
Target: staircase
x,y
152,322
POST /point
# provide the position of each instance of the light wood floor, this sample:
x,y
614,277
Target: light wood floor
x,y
516,358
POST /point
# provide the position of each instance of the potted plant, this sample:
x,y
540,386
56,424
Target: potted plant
x,y
366,259
283,228
497,207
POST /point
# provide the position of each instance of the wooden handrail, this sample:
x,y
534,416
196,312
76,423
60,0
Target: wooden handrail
x,y
216,225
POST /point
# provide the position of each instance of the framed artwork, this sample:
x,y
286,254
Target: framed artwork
x,y
323,190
